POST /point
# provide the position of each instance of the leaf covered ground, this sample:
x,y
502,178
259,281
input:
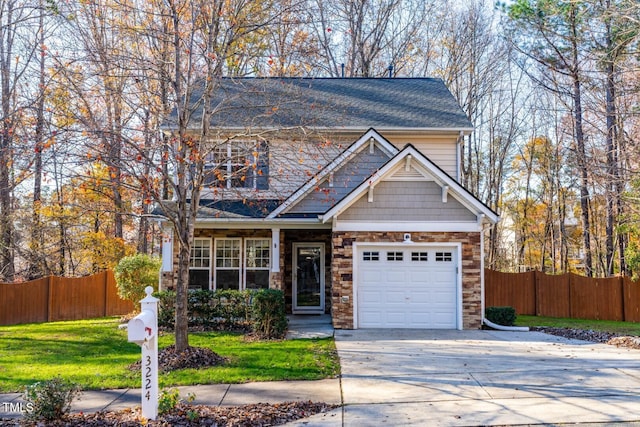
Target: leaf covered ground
x,y
261,414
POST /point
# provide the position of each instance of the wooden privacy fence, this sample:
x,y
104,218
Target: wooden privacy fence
x,y
566,295
61,298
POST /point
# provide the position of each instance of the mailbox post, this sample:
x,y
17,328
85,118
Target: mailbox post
x,y
143,330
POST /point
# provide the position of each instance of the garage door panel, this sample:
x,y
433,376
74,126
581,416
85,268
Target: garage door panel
x,y
443,320
395,319
420,297
370,297
370,318
442,297
413,293
396,276
371,274
392,296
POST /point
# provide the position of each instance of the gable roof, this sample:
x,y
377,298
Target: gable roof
x,y
337,163
332,103
441,177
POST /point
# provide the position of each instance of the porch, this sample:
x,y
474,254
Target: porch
x,y
309,326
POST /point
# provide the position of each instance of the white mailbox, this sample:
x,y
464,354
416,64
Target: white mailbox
x,y
143,330
142,327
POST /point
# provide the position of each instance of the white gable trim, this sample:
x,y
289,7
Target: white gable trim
x,y
408,226
418,159
370,137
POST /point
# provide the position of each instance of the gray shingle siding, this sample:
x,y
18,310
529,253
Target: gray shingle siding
x,y
407,201
345,179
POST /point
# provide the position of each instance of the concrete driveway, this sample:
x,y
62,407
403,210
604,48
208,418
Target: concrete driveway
x,y
452,378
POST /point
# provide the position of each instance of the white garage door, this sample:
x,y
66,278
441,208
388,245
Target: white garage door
x,y
407,287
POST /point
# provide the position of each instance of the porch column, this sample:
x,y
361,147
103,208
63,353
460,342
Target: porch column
x,y
166,279
275,250
167,249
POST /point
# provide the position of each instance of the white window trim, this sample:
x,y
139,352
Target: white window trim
x,y
244,261
227,165
211,257
243,268
215,261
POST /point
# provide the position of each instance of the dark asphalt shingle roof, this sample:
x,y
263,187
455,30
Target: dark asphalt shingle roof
x,y
247,208
350,103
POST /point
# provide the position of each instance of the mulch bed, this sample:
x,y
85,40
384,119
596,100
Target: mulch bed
x,y
261,414
593,336
193,357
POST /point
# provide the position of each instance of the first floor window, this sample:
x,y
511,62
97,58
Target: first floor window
x,y
227,264
200,264
234,263
257,262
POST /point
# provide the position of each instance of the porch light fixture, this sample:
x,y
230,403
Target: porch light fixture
x,y
407,238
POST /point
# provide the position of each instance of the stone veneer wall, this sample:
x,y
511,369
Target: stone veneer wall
x,y
342,271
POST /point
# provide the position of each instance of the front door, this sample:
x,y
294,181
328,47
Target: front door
x,y
308,278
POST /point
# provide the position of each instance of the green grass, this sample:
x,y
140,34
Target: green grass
x,y
621,328
95,354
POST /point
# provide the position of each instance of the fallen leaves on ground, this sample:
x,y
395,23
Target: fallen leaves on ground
x,y
593,336
193,357
255,415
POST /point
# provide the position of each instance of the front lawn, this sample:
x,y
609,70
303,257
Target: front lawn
x,y
95,354
619,328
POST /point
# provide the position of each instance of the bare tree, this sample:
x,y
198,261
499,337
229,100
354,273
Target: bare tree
x,y
363,38
551,34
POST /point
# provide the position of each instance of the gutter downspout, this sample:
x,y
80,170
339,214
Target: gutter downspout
x,y
505,328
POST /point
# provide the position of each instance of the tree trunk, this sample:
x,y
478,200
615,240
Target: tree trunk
x,y
582,157
37,267
182,290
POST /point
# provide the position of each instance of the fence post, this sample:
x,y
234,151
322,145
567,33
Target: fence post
x,y
622,300
535,295
105,284
49,297
536,290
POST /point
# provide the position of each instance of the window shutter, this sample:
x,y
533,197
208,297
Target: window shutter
x,y
262,173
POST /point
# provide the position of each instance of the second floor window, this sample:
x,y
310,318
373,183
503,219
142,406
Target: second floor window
x,y
239,164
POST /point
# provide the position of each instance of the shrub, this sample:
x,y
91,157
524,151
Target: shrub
x,y
269,315
166,308
50,400
134,273
505,316
222,309
170,399
261,310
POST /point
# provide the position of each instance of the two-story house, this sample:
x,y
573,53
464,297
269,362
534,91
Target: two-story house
x,y
346,196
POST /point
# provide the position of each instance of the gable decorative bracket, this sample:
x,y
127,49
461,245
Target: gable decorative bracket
x,y
370,194
371,145
407,164
445,193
